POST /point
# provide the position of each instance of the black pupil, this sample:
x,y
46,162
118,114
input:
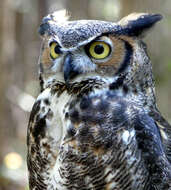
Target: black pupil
x,y
99,49
57,49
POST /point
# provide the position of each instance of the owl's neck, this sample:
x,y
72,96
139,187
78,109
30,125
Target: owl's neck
x,y
79,88
141,89
128,83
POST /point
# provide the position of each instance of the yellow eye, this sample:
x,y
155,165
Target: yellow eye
x,y
99,50
54,50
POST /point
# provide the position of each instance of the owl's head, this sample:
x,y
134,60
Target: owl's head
x,y
77,50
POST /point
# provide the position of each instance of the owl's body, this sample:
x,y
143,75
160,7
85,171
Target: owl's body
x,y
90,127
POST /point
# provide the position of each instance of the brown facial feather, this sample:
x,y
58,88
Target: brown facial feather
x,y
45,58
117,54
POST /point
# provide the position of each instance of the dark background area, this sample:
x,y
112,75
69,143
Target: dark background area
x,y
19,51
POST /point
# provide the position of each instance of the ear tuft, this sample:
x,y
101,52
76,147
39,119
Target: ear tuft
x,y
136,24
57,16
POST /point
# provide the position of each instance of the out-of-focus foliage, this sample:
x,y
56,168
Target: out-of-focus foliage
x,y
19,51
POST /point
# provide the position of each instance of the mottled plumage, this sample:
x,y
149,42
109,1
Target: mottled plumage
x,y
94,124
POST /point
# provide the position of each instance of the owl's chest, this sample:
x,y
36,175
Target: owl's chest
x,y
98,149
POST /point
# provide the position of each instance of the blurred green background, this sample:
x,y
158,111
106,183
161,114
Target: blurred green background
x,y
19,51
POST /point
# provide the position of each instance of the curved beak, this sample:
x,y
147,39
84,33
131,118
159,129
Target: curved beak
x,y
69,69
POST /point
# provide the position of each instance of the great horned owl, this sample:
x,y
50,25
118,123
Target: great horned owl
x,y
94,124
